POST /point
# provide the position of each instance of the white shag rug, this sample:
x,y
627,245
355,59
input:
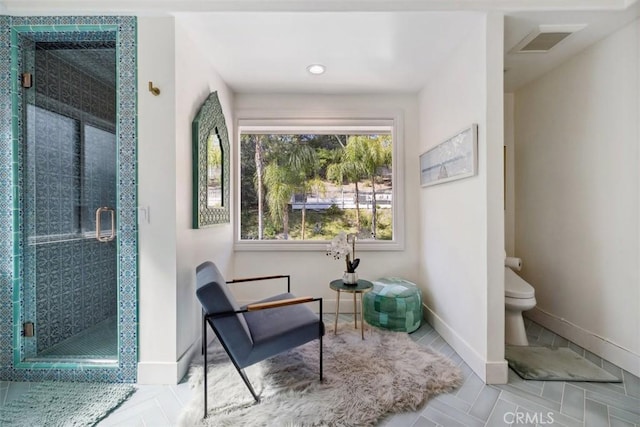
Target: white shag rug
x,y
363,381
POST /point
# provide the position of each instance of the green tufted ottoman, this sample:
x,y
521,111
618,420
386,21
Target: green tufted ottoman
x,y
393,304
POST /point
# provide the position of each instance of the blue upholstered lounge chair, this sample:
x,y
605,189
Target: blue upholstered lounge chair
x,y
257,331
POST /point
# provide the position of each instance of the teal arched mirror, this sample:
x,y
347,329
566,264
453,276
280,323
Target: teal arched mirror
x,y
211,157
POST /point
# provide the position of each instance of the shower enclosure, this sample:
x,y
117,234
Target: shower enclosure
x,y
70,264
68,227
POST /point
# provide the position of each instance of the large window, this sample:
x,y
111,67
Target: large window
x,y
308,183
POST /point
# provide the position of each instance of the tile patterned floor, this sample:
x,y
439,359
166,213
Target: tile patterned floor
x,y
519,403
528,403
99,341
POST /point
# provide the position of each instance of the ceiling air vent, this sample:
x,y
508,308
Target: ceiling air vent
x,y
545,37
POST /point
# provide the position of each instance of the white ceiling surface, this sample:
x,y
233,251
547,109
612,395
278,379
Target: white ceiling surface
x,y
368,46
364,52
121,6
367,52
522,68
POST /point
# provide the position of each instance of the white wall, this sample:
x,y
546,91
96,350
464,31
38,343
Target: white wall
x,y
157,191
196,78
495,366
461,222
312,271
577,173
169,249
509,167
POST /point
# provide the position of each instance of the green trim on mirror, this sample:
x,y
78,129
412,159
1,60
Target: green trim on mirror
x,y
210,202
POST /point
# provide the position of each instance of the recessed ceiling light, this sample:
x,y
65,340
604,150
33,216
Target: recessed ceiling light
x,y
316,69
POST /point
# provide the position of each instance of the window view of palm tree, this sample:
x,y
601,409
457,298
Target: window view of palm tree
x,y
313,186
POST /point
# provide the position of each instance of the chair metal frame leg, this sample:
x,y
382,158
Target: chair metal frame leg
x,y
247,383
238,368
235,365
204,353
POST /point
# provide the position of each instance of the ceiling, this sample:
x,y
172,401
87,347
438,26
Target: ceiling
x,y
373,52
363,52
368,46
521,68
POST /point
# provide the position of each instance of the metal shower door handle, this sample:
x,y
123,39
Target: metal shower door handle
x,y
111,236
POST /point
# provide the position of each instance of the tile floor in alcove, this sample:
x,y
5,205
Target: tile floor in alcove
x,y
472,404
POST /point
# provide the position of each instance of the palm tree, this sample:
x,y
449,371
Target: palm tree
x,y
303,162
370,153
281,186
258,158
348,169
313,185
292,169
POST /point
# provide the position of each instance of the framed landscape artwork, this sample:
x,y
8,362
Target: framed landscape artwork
x,y
455,158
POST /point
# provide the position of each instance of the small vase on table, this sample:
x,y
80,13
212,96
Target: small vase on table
x,y
350,278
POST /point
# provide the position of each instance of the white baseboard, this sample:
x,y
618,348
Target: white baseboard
x,y
157,373
497,372
587,340
490,372
161,373
185,360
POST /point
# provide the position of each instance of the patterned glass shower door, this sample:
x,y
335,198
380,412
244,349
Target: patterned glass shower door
x,y
70,201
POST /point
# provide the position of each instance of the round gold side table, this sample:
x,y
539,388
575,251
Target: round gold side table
x,y
361,287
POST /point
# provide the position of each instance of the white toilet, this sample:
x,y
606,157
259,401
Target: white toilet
x,y
519,297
